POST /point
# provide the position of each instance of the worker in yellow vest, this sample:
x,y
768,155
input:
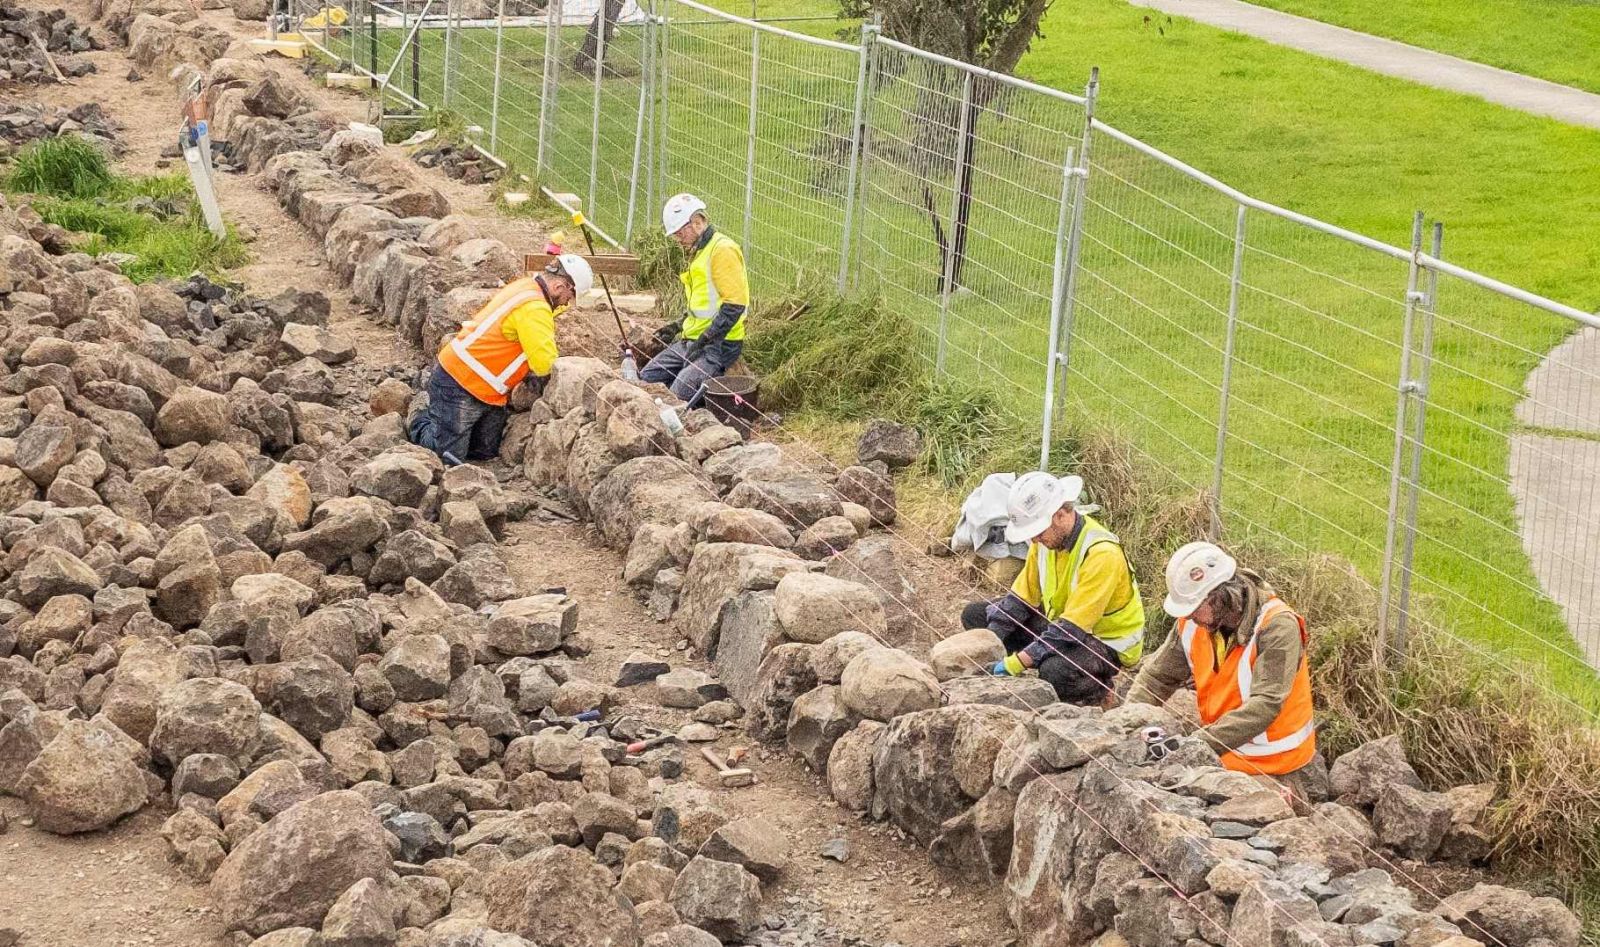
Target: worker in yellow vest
x,y
717,292
1246,652
513,334
1074,613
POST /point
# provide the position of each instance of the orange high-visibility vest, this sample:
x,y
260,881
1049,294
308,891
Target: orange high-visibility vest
x,y
1220,687
480,357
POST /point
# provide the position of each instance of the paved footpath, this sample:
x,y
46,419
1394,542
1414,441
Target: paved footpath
x,y
1392,58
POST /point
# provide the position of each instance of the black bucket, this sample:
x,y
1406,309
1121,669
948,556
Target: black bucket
x,y
734,399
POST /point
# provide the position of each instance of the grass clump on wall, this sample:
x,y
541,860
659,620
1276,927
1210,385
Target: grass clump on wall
x,y
852,359
154,220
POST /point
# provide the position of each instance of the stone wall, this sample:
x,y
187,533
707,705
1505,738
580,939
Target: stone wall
x,y
774,573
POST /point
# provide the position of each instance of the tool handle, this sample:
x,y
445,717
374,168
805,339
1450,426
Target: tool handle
x,y
588,241
712,758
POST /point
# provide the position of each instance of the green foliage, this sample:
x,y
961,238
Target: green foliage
x,y
660,262
849,358
989,33
152,219
61,167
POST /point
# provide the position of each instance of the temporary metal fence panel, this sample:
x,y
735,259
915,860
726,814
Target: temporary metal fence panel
x,y
1314,388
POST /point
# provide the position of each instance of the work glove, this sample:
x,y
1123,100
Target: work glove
x,y
1011,667
696,348
668,333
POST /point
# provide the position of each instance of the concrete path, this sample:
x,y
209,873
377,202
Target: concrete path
x,y
1392,58
1555,480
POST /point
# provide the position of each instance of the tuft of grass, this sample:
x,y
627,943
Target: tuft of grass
x,y
68,166
153,219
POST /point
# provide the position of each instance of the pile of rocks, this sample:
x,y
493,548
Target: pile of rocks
x,y
25,35
463,164
224,589
24,122
773,572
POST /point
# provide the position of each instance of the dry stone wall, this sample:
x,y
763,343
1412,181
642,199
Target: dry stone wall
x,y
253,652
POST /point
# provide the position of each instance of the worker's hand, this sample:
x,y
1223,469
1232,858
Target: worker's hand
x,y
695,348
1012,666
668,333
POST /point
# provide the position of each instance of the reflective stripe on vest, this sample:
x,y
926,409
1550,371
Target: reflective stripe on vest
x,y
462,344
700,291
1272,755
1121,630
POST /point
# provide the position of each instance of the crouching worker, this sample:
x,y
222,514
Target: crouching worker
x,y
717,292
513,334
1246,651
1074,612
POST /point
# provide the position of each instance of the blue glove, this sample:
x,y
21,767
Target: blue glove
x,y
1012,666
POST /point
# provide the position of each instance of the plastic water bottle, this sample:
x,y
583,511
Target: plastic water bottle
x,y
669,417
630,367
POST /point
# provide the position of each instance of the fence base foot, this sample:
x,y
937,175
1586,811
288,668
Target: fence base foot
x,y
348,80
287,44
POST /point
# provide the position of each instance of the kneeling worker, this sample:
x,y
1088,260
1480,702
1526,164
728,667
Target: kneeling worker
x,y
515,332
1074,612
1246,651
717,292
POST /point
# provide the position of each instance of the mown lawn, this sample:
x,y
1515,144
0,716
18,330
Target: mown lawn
x,y
1318,339
1558,40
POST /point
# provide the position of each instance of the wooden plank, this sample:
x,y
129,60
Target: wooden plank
x,y
610,264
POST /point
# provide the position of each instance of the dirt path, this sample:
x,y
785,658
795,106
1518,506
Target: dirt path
x,y
117,888
1392,58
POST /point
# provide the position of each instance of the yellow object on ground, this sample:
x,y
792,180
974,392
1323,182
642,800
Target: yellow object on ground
x,y
328,16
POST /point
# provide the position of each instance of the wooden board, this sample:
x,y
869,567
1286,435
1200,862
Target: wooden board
x,y
609,264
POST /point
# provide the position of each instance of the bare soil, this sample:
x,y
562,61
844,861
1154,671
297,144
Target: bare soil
x,y
117,888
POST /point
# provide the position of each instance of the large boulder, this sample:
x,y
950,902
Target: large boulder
x,y
1511,917
719,897
968,652
85,779
192,414
717,573
561,895
1359,777
797,502
896,445
644,490
884,683
872,562
813,608
289,872
930,766
205,715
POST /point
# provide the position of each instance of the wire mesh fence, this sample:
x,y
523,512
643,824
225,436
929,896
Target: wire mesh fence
x,y
1331,393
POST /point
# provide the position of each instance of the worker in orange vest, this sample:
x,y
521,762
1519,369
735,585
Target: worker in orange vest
x,y
513,334
1246,652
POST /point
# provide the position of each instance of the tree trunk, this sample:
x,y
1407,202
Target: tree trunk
x,y
584,61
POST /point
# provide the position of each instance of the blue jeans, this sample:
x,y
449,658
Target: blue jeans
x,y
686,377
457,423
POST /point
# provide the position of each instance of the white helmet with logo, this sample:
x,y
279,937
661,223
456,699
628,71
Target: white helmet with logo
x,y
579,271
678,210
1034,499
1192,573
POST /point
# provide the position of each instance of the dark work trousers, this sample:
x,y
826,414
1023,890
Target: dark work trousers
x,y
687,377
1081,667
457,423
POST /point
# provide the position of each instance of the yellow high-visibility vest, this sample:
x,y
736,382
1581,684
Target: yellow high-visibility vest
x,y
1122,630
700,291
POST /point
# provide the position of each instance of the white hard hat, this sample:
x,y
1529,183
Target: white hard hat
x,y
678,210
579,271
1034,499
1192,573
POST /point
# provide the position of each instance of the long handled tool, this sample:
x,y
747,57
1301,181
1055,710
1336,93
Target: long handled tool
x,y
630,365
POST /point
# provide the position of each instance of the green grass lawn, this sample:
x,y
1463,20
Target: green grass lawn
x,y
1558,40
1318,341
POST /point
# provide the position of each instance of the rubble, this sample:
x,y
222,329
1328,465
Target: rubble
x,y
487,801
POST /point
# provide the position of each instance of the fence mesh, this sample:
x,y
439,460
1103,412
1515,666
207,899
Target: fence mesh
x,y
1445,441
